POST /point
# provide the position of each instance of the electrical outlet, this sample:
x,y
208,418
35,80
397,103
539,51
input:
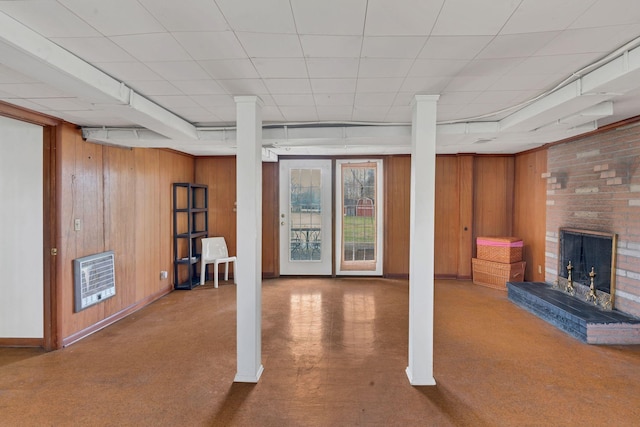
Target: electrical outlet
x,y
77,224
539,269
164,274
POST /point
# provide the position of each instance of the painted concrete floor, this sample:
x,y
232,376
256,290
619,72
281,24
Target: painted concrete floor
x,y
334,353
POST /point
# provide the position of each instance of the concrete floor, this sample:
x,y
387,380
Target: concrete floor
x,y
334,353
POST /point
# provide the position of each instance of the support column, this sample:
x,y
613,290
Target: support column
x,y
421,252
249,238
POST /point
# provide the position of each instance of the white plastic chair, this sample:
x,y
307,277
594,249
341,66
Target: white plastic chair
x,y
214,251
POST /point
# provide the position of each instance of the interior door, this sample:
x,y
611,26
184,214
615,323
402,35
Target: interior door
x,y
305,217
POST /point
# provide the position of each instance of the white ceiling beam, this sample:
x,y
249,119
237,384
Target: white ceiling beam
x,y
27,52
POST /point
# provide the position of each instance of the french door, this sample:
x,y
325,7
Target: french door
x,y
305,217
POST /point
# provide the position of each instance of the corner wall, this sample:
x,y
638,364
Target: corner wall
x,y
594,184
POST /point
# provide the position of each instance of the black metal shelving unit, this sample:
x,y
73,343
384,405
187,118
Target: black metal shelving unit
x,y
190,224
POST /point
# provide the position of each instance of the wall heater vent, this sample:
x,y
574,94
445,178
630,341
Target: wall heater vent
x,y
94,279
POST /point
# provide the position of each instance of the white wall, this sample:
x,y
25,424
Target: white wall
x,y
21,220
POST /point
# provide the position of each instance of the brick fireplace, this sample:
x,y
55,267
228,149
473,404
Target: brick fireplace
x,y
593,183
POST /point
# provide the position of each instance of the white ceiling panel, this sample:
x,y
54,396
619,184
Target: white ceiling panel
x,y
115,17
128,71
608,12
454,47
333,85
329,17
392,47
211,45
437,67
94,49
258,45
152,47
269,68
187,15
230,69
265,16
516,45
179,70
379,85
319,46
401,17
330,60
534,16
199,87
332,68
327,99
155,87
473,18
384,67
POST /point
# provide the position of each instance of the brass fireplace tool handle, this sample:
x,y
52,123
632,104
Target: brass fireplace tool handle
x,y
570,289
592,288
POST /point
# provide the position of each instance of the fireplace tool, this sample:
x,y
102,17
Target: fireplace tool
x,y
592,288
570,289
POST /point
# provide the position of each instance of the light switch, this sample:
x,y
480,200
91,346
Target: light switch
x,y
76,224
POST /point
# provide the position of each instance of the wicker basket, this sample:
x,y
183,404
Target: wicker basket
x,y
496,274
500,249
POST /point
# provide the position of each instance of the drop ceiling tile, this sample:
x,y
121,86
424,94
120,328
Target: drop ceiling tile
x,y
187,15
554,64
608,12
214,100
174,101
383,67
399,114
374,99
7,75
226,114
369,113
48,18
259,45
199,87
333,85
437,67
236,87
24,103
471,83
115,17
32,90
519,81
473,18
454,47
288,86
332,68
401,17
379,85
404,99
94,118
299,114
516,45
533,16
211,45
433,85
62,104
336,99
194,114
94,49
271,114
269,68
152,47
179,70
264,16
336,17
128,71
305,100
154,87
230,69
338,113
318,46
392,47
593,40
458,98
489,67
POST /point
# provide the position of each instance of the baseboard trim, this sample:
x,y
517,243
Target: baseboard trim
x,y
114,318
21,342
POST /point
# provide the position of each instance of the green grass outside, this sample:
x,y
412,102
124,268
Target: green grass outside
x,y
358,229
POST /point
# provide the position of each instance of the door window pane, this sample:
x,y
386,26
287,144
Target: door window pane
x,y
359,216
305,217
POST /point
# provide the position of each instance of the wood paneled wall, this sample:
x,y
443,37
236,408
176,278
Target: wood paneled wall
x,y
493,185
397,196
123,199
530,208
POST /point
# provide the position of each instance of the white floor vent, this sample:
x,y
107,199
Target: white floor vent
x,y
93,279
